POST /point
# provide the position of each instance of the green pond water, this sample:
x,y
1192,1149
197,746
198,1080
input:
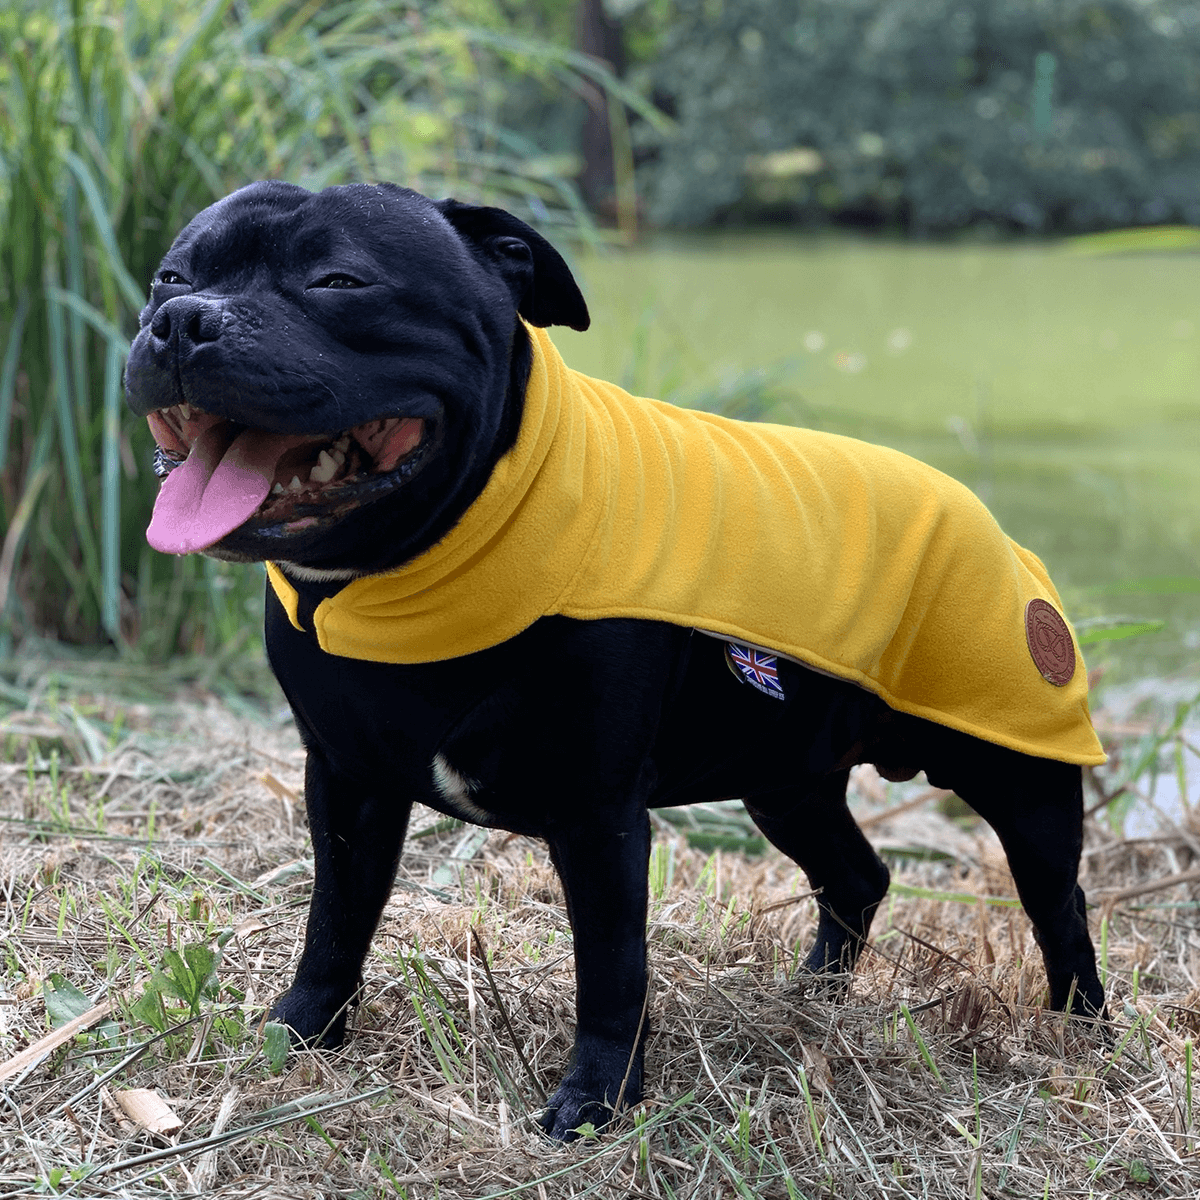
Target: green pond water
x,y
1063,386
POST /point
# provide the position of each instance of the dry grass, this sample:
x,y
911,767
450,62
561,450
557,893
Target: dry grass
x,y
131,829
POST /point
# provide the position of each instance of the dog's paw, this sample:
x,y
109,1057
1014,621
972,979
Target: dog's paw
x,y
589,1093
1096,1026
821,984
311,1022
570,1109
1080,995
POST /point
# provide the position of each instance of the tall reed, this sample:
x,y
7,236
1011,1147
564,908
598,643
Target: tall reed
x,y
119,120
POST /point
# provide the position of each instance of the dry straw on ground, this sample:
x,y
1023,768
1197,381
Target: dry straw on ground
x,y
131,830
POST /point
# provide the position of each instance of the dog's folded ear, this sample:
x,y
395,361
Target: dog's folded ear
x,y
542,283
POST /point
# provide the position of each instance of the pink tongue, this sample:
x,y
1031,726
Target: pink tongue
x,y
219,487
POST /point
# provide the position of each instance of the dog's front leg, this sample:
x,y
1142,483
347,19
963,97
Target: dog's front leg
x,y
603,859
357,831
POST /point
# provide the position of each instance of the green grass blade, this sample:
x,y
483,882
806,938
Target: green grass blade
x,y
110,496
1118,632
920,893
93,316
8,372
76,337
17,529
69,443
926,1056
134,295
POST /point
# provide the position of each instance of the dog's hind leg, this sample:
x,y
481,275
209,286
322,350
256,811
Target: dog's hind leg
x,y
357,830
1035,805
812,825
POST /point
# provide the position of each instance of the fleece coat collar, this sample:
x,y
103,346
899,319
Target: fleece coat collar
x,y
847,557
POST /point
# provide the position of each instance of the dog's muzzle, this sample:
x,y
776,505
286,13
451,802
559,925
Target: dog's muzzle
x,y
218,474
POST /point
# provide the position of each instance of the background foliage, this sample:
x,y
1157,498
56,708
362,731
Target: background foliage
x,y
930,114
120,119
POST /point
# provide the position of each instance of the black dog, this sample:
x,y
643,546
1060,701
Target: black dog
x,y
343,373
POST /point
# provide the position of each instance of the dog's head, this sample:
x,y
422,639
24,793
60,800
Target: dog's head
x,y
331,377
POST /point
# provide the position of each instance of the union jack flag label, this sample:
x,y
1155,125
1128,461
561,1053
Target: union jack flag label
x,y
755,667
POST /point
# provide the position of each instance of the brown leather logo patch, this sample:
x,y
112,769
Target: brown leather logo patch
x,y
1050,643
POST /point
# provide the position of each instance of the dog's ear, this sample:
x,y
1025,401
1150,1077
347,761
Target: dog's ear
x,y
545,289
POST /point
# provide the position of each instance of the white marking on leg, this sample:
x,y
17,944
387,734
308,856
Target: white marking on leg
x,y
456,790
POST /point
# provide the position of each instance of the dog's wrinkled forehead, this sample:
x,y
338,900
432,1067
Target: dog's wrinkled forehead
x,y
288,227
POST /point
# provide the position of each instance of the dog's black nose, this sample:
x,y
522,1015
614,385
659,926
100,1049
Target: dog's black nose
x,y
192,319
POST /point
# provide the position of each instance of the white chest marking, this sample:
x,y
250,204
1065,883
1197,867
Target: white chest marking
x,y
317,574
456,790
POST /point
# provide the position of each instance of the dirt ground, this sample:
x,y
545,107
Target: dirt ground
x,y
137,839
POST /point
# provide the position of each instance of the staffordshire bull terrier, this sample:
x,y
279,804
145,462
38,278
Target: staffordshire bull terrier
x,y
531,601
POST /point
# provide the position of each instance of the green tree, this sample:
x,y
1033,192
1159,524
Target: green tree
x,y
930,114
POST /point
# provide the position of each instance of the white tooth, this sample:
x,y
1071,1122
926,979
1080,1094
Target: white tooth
x,y
277,490
295,485
343,443
185,411
338,456
324,471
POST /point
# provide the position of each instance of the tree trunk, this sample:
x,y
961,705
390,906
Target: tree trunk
x,y
599,36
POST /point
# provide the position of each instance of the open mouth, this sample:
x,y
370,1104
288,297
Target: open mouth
x,y
218,474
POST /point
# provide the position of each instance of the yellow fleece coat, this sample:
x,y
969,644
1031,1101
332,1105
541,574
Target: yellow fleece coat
x,y
848,557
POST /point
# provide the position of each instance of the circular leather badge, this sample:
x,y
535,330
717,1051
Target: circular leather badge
x,y
1050,644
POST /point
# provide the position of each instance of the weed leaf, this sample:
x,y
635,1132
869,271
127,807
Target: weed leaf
x,y
64,1001
276,1044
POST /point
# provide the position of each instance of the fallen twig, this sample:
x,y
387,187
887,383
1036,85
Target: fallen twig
x,y
295,1112
916,802
55,1038
1144,889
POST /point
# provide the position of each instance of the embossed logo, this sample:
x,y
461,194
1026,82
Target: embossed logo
x,y
1050,643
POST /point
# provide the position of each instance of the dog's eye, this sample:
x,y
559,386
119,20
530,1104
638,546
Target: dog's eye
x,y
170,277
337,280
